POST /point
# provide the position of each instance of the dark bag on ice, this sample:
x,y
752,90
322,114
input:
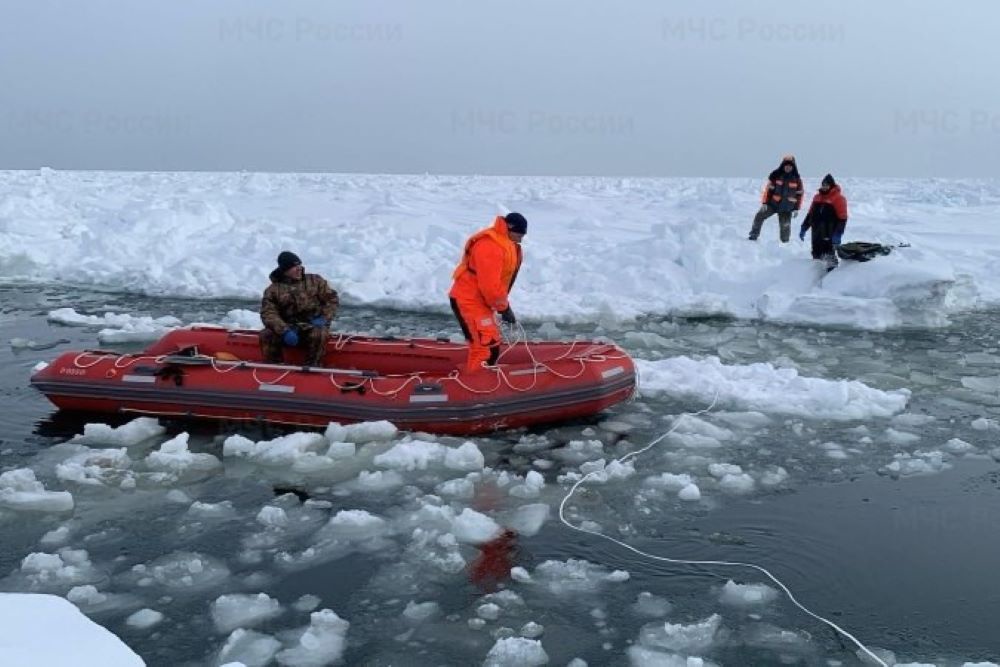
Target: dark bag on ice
x,y
862,251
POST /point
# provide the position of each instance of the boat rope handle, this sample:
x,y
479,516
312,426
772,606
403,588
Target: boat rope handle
x,y
711,563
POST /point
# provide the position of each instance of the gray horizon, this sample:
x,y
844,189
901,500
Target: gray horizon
x,y
514,88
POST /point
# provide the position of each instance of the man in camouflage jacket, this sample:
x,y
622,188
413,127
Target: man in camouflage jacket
x,y
297,309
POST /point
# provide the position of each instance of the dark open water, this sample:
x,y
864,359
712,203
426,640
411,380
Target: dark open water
x,y
909,565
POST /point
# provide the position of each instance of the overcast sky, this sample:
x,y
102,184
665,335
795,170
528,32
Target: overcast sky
x,y
637,87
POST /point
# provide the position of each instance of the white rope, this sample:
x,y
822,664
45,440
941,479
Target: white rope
x,y
717,563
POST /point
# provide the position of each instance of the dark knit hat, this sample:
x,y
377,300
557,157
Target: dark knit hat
x,y
828,181
287,260
516,223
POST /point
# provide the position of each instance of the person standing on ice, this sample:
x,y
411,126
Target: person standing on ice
x,y
782,195
482,284
827,218
296,309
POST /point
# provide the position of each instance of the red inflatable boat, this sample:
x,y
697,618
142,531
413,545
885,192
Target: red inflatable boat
x,y
417,384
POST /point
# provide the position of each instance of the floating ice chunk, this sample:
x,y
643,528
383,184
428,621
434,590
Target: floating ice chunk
x,y
910,420
901,438
144,618
342,450
61,571
378,480
85,595
356,525
641,656
466,457
764,388
181,571
19,490
601,473
645,339
98,467
306,603
418,612
578,451
438,551
132,433
362,432
488,611
321,643
243,611
746,595
48,630
774,477
690,493
221,510
531,487
126,328
456,488
984,424
412,455
833,451
958,446
248,648
284,451
241,318
516,652
527,520
697,426
471,527
272,517
520,574
56,537
647,604
668,481
750,421
691,639
174,457
177,496
572,576
532,630
918,463
720,470
739,484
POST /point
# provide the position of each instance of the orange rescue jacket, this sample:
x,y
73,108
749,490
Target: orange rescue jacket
x,y
489,266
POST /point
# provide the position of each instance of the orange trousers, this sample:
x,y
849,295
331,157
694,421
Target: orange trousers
x,y
479,326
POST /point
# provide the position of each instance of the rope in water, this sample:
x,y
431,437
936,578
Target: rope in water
x,y
714,563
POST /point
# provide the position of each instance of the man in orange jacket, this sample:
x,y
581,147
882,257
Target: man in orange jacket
x,y
482,283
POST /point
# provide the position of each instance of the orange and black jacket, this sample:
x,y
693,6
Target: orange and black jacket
x,y
784,191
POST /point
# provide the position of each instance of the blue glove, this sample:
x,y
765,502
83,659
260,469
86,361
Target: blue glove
x,y
837,238
291,338
802,234
319,321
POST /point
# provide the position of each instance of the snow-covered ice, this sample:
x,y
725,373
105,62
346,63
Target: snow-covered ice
x,y
668,257
30,623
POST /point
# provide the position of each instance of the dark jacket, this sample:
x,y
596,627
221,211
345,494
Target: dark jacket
x,y
288,303
784,191
827,214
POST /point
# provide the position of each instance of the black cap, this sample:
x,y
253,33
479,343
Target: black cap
x,y
287,259
516,223
828,181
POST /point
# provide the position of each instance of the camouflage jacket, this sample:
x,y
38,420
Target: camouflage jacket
x,y
287,303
